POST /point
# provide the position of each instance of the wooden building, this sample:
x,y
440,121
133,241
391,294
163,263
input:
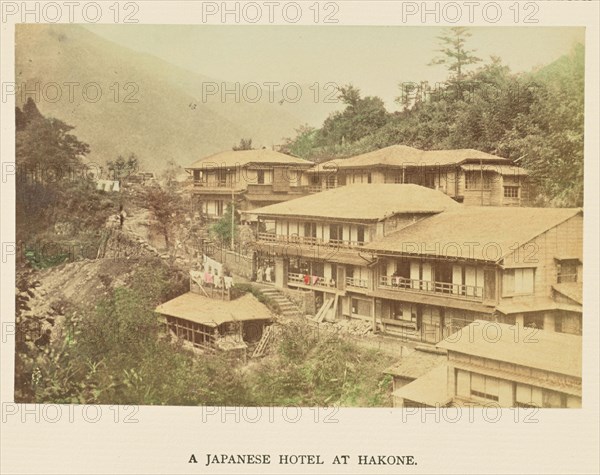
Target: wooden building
x,y
494,364
468,176
249,178
209,324
418,265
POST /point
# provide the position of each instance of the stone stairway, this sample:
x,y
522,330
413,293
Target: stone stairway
x,y
288,308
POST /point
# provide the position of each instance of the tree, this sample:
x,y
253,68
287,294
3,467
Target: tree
x,y
223,229
171,173
45,148
456,58
245,144
122,167
361,117
303,144
167,210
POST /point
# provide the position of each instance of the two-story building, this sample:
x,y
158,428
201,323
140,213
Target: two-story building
x,y
417,264
249,178
469,176
316,242
494,364
502,264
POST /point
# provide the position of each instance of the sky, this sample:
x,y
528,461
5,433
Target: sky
x,y
375,59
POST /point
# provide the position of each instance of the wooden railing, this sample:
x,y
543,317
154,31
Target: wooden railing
x,y
308,240
357,283
312,280
446,288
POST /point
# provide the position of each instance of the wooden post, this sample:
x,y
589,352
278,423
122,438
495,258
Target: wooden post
x,y
373,313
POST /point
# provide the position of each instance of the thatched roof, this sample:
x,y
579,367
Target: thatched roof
x,y
242,158
475,232
365,202
546,350
401,155
214,312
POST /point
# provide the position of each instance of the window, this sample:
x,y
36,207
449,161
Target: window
x,y
222,177
566,271
484,387
330,182
511,191
360,234
310,230
473,181
219,208
368,178
518,282
404,311
528,396
398,178
260,177
361,307
534,320
335,232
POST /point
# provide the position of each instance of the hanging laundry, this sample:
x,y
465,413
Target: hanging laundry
x,y
228,282
306,279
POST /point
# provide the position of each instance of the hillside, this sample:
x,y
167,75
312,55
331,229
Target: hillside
x,y
169,121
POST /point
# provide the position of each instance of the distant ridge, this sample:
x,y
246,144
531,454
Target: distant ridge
x,y
169,119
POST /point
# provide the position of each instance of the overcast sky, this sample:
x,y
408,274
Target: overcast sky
x,y
375,59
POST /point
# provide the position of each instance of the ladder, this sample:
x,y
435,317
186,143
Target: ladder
x,y
264,342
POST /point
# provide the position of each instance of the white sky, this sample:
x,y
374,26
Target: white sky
x,y
375,59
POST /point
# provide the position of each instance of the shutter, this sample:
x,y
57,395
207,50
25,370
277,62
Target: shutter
x,y
456,279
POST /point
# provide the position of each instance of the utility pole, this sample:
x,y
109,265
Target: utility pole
x,y
481,168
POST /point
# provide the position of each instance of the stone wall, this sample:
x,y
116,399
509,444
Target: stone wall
x,y
238,264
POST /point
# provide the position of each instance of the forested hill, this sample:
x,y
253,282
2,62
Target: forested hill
x,y
535,119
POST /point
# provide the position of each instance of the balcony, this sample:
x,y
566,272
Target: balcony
x,y
215,184
360,284
468,292
309,280
307,240
261,189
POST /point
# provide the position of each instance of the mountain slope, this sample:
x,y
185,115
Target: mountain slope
x,y
169,119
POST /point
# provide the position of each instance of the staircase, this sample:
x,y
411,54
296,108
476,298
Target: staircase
x,y
288,308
